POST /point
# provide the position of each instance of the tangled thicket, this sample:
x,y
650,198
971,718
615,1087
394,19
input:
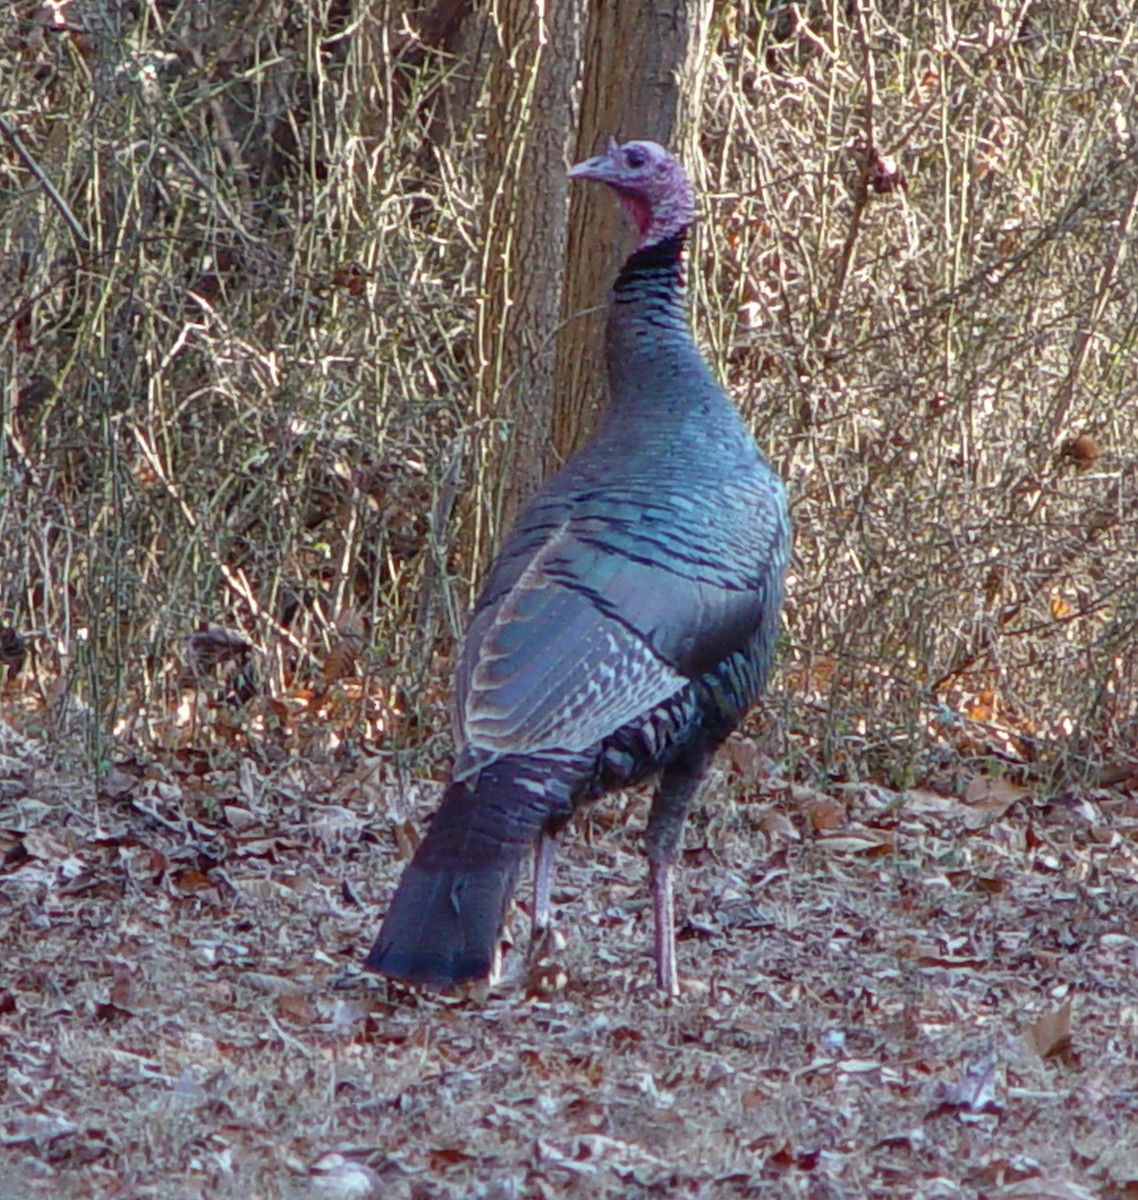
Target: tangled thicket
x,y
236,352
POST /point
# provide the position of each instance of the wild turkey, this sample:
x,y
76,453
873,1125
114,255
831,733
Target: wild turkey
x,y
626,627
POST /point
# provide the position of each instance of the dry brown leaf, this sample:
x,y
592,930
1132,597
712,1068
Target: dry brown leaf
x,y
993,793
118,784
859,840
342,656
778,826
239,818
335,1177
406,839
744,757
270,985
921,800
976,1092
38,844
122,990
190,881
1119,1165
825,814
1050,1035
1045,1189
950,962
296,1009
1119,775
802,794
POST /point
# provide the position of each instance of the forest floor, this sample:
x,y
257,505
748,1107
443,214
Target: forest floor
x,y
886,993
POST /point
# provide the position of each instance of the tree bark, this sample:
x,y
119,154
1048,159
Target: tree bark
x,y
534,67
658,100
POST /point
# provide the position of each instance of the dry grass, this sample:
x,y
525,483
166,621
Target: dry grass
x,y
243,402
243,396
922,361
236,524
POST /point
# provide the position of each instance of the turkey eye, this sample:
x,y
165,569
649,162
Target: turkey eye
x,y
635,158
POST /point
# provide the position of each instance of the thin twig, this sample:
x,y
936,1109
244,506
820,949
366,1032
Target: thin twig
x,y
236,580
1090,322
49,188
215,197
861,185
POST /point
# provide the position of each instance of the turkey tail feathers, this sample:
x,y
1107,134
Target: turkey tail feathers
x,y
443,924
447,913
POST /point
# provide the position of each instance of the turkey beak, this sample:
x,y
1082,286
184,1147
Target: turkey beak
x,y
587,169
599,166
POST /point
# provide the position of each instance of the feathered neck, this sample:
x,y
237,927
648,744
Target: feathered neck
x,y
665,256
648,324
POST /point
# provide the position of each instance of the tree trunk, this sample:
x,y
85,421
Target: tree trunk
x,y
535,65
658,101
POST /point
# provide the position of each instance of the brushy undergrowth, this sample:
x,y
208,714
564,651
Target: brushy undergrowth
x,y
236,356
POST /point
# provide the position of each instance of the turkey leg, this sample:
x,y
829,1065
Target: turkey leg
x,y
678,786
547,844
